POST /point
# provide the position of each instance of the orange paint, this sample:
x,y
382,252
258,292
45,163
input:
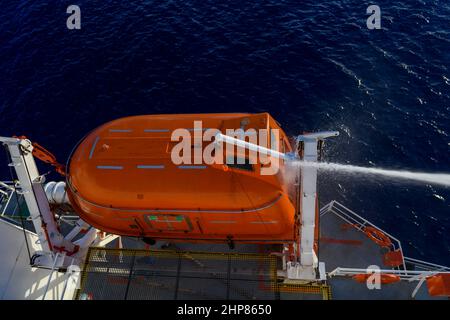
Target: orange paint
x,y
439,285
378,237
385,278
393,258
122,180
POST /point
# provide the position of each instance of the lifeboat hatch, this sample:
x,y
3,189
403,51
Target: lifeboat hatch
x,y
168,222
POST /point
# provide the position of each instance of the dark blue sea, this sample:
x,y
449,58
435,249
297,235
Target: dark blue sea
x,y
314,65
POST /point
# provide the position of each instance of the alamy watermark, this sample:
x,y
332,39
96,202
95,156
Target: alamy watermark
x,y
74,20
199,146
374,20
374,279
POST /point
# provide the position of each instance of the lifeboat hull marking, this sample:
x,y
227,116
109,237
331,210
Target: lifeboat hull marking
x,y
145,166
168,222
110,167
93,147
156,130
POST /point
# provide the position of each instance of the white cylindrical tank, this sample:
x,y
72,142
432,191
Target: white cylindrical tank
x,y
56,192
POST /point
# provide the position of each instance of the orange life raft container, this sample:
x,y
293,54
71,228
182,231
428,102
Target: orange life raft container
x,y
121,179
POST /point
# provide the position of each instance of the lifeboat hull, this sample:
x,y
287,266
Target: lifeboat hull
x,y
121,179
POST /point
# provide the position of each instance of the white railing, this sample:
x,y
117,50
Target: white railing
x,y
52,271
10,203
426,266
5,195
358,222
408,275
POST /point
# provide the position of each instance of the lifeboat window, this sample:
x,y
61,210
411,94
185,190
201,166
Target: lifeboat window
x,y
273,140
239,163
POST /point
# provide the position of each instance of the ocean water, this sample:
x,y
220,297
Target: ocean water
x,y
313,65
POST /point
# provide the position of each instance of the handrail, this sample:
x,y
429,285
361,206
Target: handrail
x,y
426,265
66,281
10,195
334,205
6,204
355,219
5,185
409,275
51,274
5,193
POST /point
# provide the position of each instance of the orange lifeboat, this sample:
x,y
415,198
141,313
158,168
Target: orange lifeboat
x,y
121,179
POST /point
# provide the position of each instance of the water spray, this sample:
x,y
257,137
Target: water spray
x,y
442,179
431,178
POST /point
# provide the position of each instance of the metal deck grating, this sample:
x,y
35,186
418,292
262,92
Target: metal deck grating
x,y
289,291
130,274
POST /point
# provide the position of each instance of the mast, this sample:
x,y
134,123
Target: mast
x,y
308,264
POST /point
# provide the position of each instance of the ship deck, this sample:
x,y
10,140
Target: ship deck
x,y
249,272
345,247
